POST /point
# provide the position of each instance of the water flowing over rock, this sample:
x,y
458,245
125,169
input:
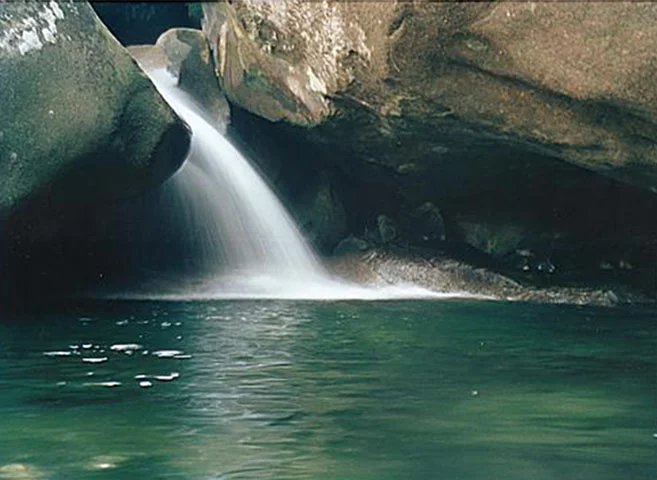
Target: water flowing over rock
x,y
185,53
530,125
79,120
243,241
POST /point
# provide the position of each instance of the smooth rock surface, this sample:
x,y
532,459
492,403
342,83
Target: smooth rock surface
x,y
80,122
185,53
555,78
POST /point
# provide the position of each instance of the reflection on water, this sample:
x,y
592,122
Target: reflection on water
x,y
347,390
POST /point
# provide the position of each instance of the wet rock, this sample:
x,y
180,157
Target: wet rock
x,y
351,245
470,106
387,229
80,122
612,297
185,53
320,213
443,274
497,240
428,223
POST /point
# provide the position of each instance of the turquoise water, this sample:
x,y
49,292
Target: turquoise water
x,y
328,390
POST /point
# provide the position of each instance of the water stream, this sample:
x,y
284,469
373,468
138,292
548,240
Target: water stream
x,y
245,243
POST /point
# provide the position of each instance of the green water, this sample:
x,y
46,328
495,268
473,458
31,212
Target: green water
x,y
348,390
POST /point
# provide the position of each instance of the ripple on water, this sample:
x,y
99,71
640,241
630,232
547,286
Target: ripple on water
x,y
95,359
161,378
111,384
20,471
167,353
167,378
63,353
105,462
122,347
177,354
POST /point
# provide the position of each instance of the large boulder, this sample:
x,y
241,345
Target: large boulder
x,y
532,126
555,78
80,121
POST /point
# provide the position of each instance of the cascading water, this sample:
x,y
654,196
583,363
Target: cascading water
x,y
243,239
246,233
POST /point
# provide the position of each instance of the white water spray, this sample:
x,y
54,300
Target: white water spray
x,y
250,246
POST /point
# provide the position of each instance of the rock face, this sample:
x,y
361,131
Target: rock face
x,y
185,53
555,78
79,120
530,125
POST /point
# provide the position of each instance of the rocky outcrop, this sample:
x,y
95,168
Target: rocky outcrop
x,y
185,53
81,127
555,78
441,274
80,122
531,126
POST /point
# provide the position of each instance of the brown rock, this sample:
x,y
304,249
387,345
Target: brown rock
x,y
561,79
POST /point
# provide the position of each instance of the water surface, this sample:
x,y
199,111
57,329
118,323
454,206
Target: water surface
x,y
449,389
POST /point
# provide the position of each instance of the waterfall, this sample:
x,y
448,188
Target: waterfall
x,y
256,233
239,237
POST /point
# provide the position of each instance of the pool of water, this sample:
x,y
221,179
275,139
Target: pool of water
x,y
448,389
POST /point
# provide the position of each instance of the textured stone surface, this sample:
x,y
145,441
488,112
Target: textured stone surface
x,y
532,126
185,53
556,78
80,122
